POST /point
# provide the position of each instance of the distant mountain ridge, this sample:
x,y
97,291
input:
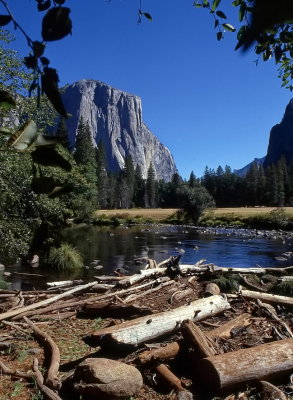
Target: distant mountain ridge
x,y
115,118
280,143
243,171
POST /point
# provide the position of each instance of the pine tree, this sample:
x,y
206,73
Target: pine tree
x,y
139,188
151,187
102,177
193,182
85,157
130,176
84,148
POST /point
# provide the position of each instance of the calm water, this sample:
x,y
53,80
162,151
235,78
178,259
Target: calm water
x,y
116,248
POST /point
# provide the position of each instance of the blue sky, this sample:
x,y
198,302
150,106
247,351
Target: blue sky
x,y
208,104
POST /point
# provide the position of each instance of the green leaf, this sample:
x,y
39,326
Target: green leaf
x,y
38,48
206,3
43,185
59,190
220,35
24,136
215,5
50,157
43,6
285,83
197,5
148,16
46,141
278,53
6,100
50,81
242,11
5,131
236,3
221,14
56,24
5,19
229,27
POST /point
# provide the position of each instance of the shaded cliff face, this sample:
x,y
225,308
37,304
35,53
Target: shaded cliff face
x,y
115,117
281,138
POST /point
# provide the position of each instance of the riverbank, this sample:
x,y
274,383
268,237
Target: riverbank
x,y
242,217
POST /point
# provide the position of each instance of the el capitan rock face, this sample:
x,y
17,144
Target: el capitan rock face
x,y
115,117
281,139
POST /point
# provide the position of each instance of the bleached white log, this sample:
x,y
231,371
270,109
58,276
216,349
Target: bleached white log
x,y
270,298
148,328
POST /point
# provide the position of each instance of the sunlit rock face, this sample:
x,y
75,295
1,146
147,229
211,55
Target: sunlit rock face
x,y
115,117
281,138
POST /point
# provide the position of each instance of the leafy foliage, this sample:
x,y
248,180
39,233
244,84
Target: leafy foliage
x,y
265,23
56,24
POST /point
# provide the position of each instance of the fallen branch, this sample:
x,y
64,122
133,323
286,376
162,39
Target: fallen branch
x,y
162,353
271,298
40,382
224,331
134,297
271,311
42,303
52,379
65,304
203,345
172,380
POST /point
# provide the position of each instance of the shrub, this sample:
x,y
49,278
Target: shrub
x,y
65,257
3,283
229,283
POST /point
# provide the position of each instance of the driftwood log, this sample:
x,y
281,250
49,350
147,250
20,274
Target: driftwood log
x,y
141,330
270,298
264,362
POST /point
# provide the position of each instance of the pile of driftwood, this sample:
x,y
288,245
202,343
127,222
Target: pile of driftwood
x,y
170,315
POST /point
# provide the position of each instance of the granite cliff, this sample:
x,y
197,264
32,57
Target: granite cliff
x,y
115,117
281,139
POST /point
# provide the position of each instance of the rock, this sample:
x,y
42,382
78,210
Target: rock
x,y
106,379
6,273
2,267
115,118
271,392
184,395
281,139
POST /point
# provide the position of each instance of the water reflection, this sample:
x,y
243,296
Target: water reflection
x,y
119,247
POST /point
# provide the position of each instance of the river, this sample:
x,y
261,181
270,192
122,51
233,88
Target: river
x,y
119,247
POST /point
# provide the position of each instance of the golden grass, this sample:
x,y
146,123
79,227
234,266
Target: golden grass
x,y
248,211
163,213
154,213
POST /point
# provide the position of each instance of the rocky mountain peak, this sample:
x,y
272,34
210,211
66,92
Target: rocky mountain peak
x,y
115,118
281,138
